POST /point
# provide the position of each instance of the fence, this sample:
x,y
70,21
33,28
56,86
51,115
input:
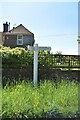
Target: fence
x,y
50,66
44,60
62,61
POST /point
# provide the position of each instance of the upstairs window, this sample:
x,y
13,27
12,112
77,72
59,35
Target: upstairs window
x,y
19,39
3,39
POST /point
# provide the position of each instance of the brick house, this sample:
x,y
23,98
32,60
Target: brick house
x,y
17,37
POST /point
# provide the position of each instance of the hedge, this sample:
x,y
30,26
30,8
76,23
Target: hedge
x,y
21,58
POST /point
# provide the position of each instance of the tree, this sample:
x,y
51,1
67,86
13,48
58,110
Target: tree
x,y
59,53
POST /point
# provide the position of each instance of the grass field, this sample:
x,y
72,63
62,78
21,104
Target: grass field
x,y
46,100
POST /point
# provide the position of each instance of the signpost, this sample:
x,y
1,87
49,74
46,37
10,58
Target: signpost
x,y
35,48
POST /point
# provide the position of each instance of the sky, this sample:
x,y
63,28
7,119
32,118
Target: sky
x,y
54,24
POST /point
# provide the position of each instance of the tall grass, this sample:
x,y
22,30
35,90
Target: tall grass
x,y
23,99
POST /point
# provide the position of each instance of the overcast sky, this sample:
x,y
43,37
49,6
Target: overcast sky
x,y
53,24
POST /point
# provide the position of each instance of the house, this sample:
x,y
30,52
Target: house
x,y
17,37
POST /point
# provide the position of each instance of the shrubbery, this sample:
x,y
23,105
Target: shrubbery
x,y
16,57
20,58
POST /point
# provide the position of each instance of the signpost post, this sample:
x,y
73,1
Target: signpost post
x,y
35,48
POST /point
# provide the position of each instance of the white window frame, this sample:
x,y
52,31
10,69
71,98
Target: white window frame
x,y
3,39
19,39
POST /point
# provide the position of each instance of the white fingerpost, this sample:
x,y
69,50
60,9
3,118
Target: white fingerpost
x,y
35,64
36,49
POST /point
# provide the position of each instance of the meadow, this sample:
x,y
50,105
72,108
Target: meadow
x,y
47,100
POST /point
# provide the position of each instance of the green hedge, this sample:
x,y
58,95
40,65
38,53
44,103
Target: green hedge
x,y
21,58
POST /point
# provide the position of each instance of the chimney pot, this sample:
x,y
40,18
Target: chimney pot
x,y
13,27
9,26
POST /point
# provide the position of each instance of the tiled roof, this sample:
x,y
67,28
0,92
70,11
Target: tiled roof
x,y
19,30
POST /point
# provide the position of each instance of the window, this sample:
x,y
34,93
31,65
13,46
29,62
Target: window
x,y
19,39
3,39
7,38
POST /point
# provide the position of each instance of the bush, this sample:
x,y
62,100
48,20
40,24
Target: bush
x,y
16,57
21,58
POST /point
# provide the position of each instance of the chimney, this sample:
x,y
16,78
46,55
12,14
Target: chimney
x,y
5,27
9,26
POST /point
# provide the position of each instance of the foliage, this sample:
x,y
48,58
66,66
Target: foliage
x,y
59,53
16,57
21,58
25,100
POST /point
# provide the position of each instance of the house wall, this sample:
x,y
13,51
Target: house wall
x,y
11,41
28,40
